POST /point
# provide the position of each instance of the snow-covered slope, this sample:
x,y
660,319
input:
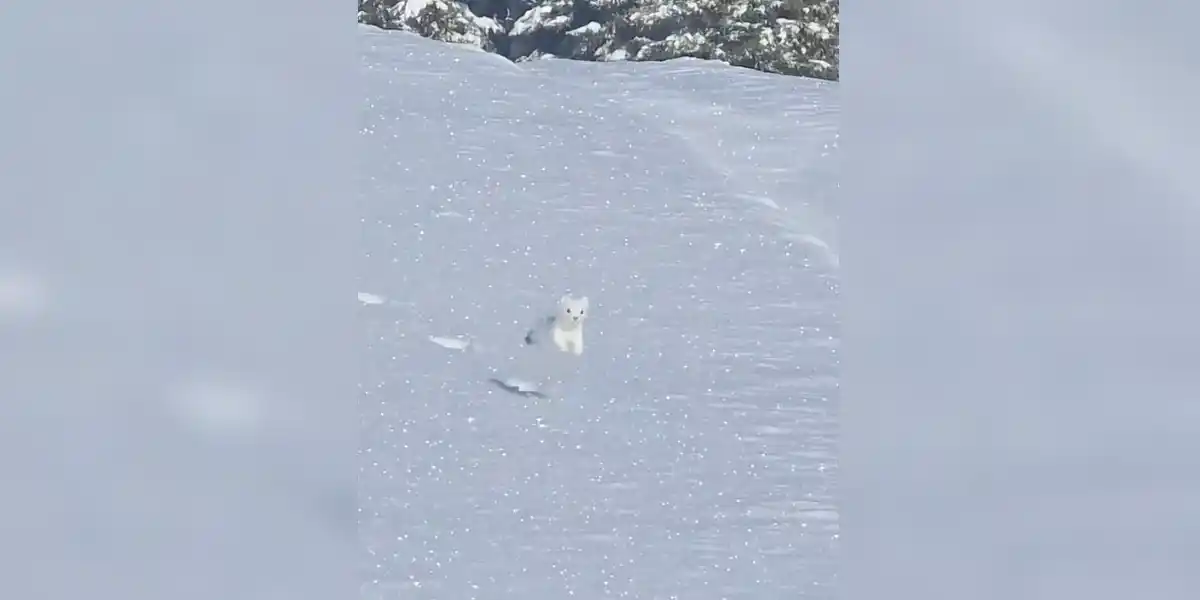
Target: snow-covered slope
x,y
693,454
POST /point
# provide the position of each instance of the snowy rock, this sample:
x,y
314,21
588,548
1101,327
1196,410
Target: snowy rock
x,y
585,42
537,55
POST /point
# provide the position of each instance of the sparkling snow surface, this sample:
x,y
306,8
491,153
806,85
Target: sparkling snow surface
x,y
693,454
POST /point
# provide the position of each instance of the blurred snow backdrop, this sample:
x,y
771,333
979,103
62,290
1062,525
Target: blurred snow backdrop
x,y
176,362
793,37
1022,403
694,453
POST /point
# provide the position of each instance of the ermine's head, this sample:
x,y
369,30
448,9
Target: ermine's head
x,y
572,311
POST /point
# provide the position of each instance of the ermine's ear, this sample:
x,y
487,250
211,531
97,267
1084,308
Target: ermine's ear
x,y
584,300
565,300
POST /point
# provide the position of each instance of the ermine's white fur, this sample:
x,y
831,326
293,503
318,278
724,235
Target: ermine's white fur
x,y
564,328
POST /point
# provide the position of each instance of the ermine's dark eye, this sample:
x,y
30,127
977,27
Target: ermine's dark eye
x,y
568,311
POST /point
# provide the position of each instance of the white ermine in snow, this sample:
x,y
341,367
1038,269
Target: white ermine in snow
x,y
565,328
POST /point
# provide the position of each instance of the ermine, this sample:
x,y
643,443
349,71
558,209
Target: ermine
x,y
564,328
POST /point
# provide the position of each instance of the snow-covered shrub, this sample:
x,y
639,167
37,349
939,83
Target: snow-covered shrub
x,y
793,37
443,20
